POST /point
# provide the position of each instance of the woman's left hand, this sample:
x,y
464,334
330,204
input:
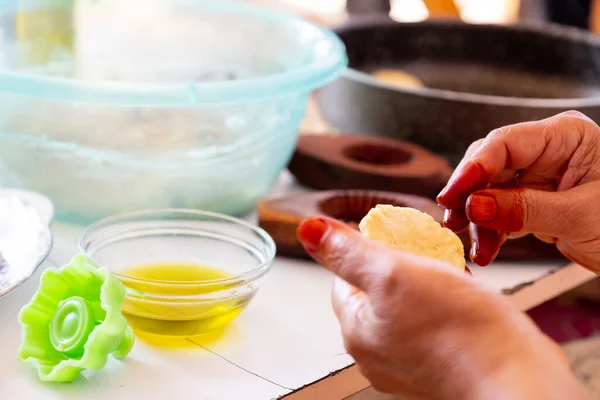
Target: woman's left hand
x,y
538,177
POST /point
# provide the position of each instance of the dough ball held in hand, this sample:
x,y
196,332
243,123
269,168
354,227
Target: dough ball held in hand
x,y
411,231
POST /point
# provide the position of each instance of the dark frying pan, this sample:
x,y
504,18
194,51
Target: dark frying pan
x,y
477,78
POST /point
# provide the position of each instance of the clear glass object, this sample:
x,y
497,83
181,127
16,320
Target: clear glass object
x,y
114,106
171,306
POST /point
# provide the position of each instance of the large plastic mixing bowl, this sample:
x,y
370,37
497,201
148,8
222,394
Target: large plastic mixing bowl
x,y
112,106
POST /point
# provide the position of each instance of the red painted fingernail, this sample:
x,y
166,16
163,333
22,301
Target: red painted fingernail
x,y
470,178
456,220
468,271
482,208
311,232
485,245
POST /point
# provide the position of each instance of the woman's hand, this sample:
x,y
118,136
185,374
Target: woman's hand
x,y
420,328
538,177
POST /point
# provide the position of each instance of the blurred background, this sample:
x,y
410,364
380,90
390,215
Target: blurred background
x,y
497,11
473,11
578,13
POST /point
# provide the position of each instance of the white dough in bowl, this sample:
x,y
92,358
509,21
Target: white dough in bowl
x,y
409,230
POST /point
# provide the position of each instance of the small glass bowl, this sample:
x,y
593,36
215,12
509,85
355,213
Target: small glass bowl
x,y
174,237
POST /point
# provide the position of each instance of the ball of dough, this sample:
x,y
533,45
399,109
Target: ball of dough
x,y
398,78
411,231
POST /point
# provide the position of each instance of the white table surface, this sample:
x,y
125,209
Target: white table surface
x,y
287,339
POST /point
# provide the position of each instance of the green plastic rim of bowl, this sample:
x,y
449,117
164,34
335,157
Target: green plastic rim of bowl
x,y
306,78
251,275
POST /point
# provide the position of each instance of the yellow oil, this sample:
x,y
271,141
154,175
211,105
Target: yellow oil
x,y
173,302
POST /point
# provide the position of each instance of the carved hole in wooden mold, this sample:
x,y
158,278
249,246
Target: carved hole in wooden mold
x,y
352,208
377,154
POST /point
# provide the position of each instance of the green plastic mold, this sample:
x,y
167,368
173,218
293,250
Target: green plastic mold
x,y
74,321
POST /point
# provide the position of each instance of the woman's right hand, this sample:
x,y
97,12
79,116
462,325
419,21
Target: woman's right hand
x,y
422,329
538,177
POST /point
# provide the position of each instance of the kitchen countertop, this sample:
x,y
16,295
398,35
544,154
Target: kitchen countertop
x,y
285,345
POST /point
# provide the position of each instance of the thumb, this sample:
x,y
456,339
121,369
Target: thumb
x,y
346,252
365,264
556,214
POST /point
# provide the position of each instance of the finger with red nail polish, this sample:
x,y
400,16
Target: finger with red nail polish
x,y
456,219
485,244
311,233
497,209
465,181
481,208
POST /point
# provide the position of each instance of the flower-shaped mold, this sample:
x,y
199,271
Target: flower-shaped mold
x,y
74,321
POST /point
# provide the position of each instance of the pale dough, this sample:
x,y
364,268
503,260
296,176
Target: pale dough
x,y
409,230
398,78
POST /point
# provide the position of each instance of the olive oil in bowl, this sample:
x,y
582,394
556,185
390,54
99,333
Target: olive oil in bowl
x,y
186,272
180,299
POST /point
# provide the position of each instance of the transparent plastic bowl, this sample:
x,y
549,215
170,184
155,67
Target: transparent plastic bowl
x,y
181,308
113,106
